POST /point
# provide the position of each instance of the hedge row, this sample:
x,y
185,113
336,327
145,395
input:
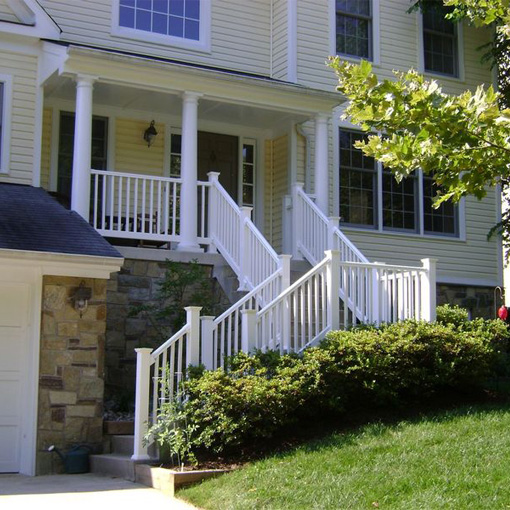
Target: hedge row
x,y
393,364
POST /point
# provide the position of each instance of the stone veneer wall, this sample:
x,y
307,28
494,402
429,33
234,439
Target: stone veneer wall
x,y
136,284
71,380
479,301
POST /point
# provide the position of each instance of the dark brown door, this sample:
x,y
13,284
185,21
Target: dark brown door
x,y
219,153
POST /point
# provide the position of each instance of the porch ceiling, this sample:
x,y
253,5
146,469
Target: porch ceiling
x,y
152,102
136,82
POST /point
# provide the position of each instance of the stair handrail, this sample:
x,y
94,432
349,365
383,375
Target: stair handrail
x,y
237,238
326,233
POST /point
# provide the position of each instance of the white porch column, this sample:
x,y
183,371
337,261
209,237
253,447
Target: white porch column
x,y
189,203
80,191
321,163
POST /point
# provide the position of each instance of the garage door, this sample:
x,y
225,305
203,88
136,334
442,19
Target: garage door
x,y
14,303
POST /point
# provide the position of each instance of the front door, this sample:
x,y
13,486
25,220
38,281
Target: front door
x,y
66,149
219,153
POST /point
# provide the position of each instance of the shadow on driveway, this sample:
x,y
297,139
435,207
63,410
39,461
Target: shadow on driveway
x,y
80,491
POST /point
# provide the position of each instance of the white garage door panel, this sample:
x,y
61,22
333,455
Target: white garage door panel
x,y
14,313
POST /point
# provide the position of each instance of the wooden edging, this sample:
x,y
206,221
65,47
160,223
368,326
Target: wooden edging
x,y
168,480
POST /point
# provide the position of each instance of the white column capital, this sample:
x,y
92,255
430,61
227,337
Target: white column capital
x,y
321,118
84,80
191,97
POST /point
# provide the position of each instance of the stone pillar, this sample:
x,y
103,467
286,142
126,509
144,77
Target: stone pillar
x,y
189,203
71,371
80,192
321,163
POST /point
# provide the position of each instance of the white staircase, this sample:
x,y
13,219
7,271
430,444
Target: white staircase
x,y
342,288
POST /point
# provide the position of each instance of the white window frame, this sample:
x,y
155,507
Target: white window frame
x,y
376,45
5,141
460,52
378,227
203,44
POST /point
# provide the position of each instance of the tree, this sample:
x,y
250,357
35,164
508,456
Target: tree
x,y
463,141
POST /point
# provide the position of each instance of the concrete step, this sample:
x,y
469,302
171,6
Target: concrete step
x,y
113,464
122,444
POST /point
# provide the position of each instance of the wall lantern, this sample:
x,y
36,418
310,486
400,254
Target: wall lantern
x,y
150,134
81,298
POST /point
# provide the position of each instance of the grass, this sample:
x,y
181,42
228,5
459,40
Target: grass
x,y
452,460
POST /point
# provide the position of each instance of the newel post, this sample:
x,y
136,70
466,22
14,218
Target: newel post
x,y
212,220
333,225
143,364
375,317
245,254
297,218
333,288
193,347
428,290
207,341
248,330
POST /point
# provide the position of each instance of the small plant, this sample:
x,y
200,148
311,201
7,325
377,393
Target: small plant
x,y
447,314
182,285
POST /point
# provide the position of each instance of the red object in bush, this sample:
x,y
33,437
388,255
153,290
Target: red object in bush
x,y
503,313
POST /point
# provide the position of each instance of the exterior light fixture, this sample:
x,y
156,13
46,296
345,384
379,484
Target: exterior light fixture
x,y
150,134
81,298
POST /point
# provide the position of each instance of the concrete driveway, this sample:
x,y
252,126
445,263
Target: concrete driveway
x,y
76,492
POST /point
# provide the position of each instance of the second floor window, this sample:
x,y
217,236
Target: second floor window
x,y
440,42
175,18
354,28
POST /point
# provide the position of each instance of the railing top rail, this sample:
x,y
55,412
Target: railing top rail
x,y
226,196
382,265
315,269
349,243
313,205
137,176
325,220
248,296
185,329
256,232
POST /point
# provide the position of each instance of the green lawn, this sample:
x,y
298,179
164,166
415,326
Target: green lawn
x,y
454,460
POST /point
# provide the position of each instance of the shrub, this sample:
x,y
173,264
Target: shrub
x,y
447,314
259,395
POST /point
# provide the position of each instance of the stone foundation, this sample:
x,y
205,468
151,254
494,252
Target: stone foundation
x,y
479,301
137,284
71,379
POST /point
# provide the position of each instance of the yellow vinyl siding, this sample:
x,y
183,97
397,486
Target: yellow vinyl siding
x,y
276,179
6,13
23,70
131,152
279,42
240,33
46,148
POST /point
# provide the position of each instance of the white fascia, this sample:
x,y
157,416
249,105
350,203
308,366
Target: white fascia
x,y
63,264
35,21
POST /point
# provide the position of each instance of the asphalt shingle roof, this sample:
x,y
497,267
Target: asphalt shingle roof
x,y
31,220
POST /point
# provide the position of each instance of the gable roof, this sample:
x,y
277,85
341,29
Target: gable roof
x,y
31,220
27,17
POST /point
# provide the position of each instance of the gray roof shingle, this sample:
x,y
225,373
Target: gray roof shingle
x,y
31,220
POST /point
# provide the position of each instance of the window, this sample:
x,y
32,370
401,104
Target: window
x,y
354,28
370,197
440,42
175,155
443,220
248,184
358,182
399,206
182,23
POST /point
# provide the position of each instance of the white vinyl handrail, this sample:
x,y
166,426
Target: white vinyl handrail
x,y
238,239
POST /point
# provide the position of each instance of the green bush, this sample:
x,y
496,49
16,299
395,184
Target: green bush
x,y
259,395
447,314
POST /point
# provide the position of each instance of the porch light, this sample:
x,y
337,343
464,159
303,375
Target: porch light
x,y
150,134
81,298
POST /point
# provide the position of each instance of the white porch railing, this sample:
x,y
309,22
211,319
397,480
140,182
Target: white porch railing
x,y
135,206
237,238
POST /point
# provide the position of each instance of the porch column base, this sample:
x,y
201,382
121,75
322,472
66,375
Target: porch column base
x,y
191,247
